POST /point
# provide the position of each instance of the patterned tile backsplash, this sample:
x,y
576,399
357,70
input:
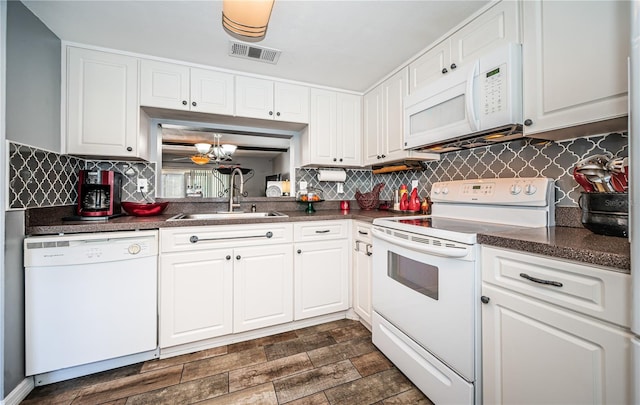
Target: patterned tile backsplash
x,y
40,178
521,158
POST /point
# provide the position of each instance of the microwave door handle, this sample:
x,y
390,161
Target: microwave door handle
x,y
469,99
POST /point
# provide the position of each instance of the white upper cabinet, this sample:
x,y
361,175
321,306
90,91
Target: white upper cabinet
x,y
575,66
335,130
102,105
179,87
265,99
495,27
383,120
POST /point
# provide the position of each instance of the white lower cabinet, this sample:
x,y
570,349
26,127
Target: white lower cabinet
x,y
196,296
535,349
262,287
321,263
223,279
362,268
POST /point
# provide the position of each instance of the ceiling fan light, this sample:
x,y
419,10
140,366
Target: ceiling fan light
x,y
200,160
247,19
228,149
203,148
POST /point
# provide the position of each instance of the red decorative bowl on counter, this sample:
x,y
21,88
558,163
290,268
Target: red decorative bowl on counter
x,y
144,209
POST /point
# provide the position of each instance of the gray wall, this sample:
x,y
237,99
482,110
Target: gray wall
x,y
14,301
33,80
32,117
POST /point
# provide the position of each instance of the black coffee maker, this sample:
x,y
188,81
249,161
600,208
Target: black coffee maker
x,y
99,193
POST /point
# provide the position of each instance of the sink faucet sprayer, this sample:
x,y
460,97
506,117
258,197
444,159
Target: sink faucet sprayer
x,y
232,186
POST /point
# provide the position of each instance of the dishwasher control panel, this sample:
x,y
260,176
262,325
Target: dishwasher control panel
x,y
89,248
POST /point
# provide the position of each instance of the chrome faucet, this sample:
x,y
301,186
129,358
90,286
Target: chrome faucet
x,y
232,186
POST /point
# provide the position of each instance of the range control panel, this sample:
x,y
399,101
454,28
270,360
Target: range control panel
x,y
529,191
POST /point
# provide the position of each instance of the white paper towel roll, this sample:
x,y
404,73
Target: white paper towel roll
x,y
332,175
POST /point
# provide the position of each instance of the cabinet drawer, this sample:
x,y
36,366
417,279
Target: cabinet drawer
x,y
362,231
220,236
590,290
320,230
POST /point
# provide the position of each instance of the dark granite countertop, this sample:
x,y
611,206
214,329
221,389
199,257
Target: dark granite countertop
x,y
562,242
576,244
54,224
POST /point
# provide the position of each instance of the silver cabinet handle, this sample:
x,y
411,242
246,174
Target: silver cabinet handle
x,y
195,239
541,281
368,250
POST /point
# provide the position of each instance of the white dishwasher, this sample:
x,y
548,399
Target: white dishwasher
x,y
89,298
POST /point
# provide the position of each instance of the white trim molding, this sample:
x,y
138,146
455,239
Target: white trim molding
x,y
20,392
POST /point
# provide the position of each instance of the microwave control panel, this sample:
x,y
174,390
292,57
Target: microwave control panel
x,y
498,87
494,90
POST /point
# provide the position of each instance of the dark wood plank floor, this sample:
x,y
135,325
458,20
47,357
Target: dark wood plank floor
x,y
333,363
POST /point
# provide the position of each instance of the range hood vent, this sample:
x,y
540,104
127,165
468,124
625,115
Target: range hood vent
x,y
477,140
254,52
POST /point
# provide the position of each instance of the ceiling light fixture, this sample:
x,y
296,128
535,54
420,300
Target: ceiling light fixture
x,y
218,152
246,19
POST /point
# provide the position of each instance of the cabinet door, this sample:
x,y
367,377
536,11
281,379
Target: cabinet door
x,y
541,354
321,278
565,84
102,104
263,287
212,92
195,296
322,127
362,267
348,130
372,126
254,98
494,28
429,67
164,85
291,103
394,90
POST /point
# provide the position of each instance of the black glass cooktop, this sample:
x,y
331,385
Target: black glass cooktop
x,y
456,225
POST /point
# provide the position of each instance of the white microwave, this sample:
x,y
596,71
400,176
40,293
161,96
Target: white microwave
x,y
484,96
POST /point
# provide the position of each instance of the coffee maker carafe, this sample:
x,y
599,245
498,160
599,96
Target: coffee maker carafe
x,y
99,193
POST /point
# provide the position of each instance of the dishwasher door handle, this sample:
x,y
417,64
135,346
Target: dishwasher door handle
x,y
196,239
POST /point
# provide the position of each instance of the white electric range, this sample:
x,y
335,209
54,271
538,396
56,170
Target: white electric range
x,y
427,280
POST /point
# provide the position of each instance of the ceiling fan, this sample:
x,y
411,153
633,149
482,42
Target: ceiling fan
x,y
216,152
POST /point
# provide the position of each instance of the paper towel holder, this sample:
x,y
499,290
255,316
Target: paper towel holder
x,y
337,175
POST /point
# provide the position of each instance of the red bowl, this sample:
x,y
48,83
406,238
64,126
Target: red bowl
x,y
144,209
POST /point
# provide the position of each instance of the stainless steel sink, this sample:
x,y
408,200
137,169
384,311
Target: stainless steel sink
x,y
225,215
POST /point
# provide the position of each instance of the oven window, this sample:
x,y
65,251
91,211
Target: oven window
x,y
420,277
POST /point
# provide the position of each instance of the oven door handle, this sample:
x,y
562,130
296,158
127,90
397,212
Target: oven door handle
x,y
434,250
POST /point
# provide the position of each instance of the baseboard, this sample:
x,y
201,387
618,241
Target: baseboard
x,y
19,393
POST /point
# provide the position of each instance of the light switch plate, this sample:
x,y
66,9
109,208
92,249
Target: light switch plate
x,y
340,187
414,184
303,185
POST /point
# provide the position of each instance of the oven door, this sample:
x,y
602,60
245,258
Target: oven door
x,y
426,288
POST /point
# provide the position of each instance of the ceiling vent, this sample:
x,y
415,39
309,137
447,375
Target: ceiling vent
x,y
253,52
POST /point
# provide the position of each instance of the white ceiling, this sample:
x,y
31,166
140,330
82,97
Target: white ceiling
x,y
345,44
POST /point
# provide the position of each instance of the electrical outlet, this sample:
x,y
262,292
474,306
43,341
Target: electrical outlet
x,y
142,184
340,188
303,185
414,184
